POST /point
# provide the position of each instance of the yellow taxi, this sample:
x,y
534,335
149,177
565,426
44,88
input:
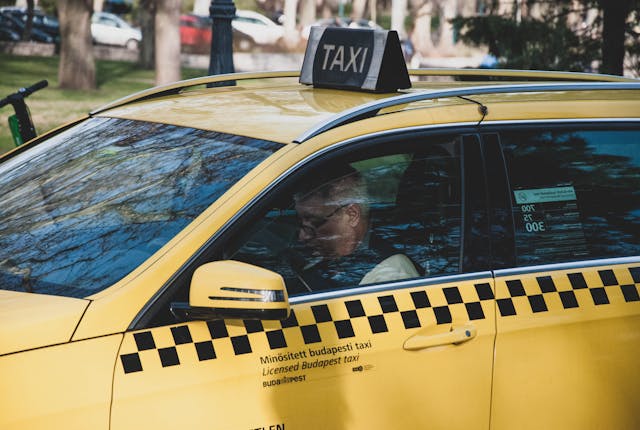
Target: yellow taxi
x,y
351,246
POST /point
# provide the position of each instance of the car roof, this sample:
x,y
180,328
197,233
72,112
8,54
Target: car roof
x,y
274,106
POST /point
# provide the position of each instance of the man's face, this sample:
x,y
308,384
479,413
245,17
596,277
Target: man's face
x,y
326,227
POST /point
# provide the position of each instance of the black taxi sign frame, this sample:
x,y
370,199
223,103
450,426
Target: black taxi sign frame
x,y
358,59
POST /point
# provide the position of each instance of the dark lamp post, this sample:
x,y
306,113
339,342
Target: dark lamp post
x,y
222,13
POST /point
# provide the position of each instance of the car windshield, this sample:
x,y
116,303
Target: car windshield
x,y
83,209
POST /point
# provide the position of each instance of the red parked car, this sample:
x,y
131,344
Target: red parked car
x,y
195,33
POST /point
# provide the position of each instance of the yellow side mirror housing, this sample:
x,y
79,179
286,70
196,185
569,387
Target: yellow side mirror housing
x,y
232,289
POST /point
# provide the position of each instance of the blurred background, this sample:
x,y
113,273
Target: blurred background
x,y
93,51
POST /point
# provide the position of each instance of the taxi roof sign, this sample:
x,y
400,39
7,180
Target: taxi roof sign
x,y
361,59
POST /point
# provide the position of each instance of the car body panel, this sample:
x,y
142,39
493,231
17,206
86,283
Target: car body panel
x,y
62,386
302,108
284,113
334,363
6,34
51,320
581,323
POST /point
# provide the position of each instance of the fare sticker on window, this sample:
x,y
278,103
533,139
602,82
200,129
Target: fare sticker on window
x,y
545,195
538,206
550,219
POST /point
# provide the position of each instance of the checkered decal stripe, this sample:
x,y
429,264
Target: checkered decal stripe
x,y
412,309
537,291
403,310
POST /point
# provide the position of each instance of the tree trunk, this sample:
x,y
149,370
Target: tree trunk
x,y
307,13
26,34
373,10
398,15
147,15
291,35
421,35
446,40
358,8
167,41
613,32
77,69
328,9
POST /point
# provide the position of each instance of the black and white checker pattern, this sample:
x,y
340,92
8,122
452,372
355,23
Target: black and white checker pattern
x,y
380,320
546,287
420,312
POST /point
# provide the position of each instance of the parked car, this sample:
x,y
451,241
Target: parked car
x,y
41,21
195,33
254,29
110,29
250,29
349,246
47,23
16,25
340,23
7,34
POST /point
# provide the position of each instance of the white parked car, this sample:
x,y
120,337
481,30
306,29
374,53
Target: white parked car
x,y
340,22
110,29
259,29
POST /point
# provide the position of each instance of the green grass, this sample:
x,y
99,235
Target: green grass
x,y
51,106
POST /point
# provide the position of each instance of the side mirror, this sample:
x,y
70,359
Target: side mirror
x,y
231,289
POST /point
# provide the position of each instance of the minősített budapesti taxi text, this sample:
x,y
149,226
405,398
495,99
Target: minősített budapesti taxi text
x,y
351,246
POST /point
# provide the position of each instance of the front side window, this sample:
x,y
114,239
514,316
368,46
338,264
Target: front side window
x,y
376,216
83,209
575,194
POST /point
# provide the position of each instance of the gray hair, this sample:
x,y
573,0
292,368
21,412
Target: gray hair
x,y
341,191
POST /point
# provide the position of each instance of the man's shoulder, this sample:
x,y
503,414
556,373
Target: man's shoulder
x,y
395,267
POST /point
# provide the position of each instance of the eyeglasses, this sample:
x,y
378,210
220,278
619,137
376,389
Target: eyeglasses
x,y
311,225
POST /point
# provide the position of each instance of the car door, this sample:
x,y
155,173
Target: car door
x,y
413,350
568,319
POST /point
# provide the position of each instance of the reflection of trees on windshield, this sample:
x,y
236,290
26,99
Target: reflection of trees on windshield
x,y
603,169
87,207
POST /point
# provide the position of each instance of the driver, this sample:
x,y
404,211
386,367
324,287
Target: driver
x,y
335,225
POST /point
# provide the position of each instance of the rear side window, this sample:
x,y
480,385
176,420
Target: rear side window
x,y
575,194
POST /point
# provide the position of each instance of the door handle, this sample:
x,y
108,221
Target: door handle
x,y
455,336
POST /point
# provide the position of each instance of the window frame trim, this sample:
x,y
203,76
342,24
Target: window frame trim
x,y
570,265
500,175
388,286
511,125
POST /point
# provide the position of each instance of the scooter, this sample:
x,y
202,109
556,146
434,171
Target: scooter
x,y
21,124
